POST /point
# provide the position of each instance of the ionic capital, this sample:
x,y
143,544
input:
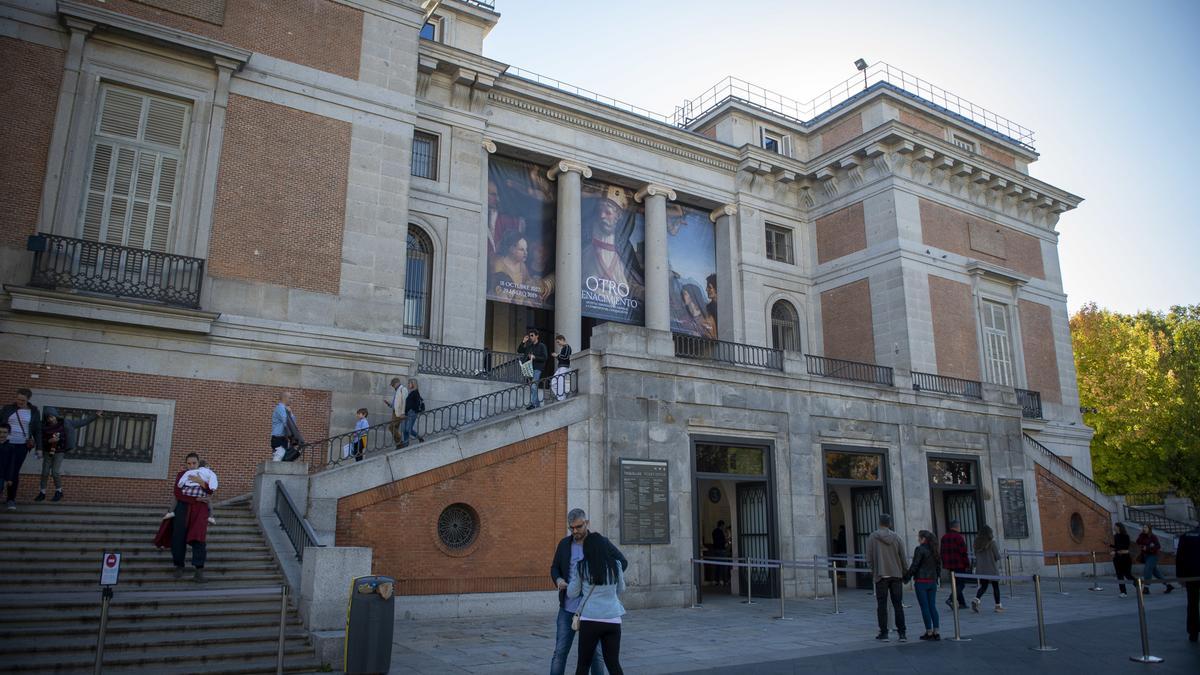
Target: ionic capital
x,y
653,190
722,211
567,165
489,146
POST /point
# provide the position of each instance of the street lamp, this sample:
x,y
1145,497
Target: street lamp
x,y
862,65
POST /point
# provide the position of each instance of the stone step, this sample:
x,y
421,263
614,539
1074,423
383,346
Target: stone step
x,y
131,557
139,539
34,618
144,569
33,529
131,642
66,513
162,582
185,658
142,546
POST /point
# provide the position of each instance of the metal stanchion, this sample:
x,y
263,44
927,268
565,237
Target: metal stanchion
x,y
1058,564
815,596
282,628
782,594
698,596
105,597
836,610
1145,656
954,607
1041,620
749,583
1008,573
1095,576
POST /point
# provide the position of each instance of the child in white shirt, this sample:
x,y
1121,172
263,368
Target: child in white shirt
x,y
203,473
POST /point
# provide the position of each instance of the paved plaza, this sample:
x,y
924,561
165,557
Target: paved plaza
x,y
1095,632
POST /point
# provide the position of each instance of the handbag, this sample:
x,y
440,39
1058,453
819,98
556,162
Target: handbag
x,y
527,369
578,612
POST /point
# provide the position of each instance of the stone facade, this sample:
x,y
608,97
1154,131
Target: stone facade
x,y
296,189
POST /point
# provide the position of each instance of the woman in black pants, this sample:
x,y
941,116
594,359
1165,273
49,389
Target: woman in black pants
x,y
600,580
987,559
1122,561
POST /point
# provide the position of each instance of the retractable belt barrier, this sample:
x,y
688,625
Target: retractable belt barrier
x,y
1037,591
730,562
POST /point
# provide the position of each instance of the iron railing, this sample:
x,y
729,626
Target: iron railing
x,y
944,384
1058,459
849,370
1031,404
706,349
120,271
1156,520
294,525
357,445
478,364
1146,499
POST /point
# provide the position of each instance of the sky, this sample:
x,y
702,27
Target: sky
x,y
1112,91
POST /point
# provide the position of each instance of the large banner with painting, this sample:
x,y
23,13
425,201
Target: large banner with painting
x,y
692,257
613,263
521,233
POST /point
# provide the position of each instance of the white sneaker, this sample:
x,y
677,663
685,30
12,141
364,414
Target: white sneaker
x,y
999,609
1122,595
975,605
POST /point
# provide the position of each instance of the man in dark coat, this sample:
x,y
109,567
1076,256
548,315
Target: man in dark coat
x,y
189,526
533,350
1187,564
566,559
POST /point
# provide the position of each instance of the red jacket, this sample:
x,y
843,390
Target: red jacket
x,y
1149,543
197,519
954,552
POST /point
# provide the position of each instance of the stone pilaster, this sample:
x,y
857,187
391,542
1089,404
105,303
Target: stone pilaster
x,y
728,297
658,284
568,249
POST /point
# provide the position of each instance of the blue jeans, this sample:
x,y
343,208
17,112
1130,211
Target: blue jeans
x,y
534,399
563,638
410,426
927,599
1150,570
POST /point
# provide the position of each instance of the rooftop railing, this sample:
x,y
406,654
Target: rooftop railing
x,y
119,271
849,370
877,76
943,384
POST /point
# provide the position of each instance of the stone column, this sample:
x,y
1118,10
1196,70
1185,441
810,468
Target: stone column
x,y
728,300
658,302
568,249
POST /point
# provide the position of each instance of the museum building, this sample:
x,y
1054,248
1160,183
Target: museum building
x,y
787,316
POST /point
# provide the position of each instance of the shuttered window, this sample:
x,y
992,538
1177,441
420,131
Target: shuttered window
x,y
997,344
134,169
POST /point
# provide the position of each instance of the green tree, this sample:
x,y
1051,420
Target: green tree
x,y
1139,381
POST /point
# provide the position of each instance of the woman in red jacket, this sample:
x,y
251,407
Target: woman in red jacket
x,y
190,524
1147,541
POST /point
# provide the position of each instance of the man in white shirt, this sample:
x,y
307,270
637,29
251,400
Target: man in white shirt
x,y
397,406
24,433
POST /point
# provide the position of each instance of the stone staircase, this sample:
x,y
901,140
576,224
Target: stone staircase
x,y
49,552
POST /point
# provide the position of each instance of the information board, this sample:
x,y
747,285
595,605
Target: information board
x,y
645,511
1012,508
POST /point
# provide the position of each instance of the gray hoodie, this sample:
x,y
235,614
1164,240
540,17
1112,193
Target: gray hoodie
x,y
885,554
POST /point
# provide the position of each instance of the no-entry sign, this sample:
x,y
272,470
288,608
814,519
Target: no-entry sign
x,y
110,566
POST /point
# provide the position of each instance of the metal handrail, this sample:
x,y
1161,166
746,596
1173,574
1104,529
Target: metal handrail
x,y
1156,520
1146,498
355,445
849,370
295,526
120,271
587,94
944,384
720,351
1029,440
1031,404
469,362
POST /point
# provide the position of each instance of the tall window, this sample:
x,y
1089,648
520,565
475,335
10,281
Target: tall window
x,y
779,244
424,155
418,283
785,327
136,154
997,344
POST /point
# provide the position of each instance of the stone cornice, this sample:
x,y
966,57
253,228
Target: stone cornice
x,y
72,13
565,165
653,190
995,272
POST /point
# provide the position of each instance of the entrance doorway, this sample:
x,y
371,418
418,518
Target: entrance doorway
x,y
954,495
857,489
733,485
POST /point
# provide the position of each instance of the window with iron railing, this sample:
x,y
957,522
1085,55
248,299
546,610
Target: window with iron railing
x,y
425,155
114,437
785,327
418,283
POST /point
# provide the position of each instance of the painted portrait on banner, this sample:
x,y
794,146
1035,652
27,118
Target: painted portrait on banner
x,y
520,234
613,262
692,257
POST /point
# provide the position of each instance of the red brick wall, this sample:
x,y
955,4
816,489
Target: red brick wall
x,y
999,156
954,337
1041,360
841,233
281,197
951,230
846,322
1056,502
922,123
320,34
28,100
841,132
228,424
212,11
518,491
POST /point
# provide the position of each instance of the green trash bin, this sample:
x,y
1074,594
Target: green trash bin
x,y
369,618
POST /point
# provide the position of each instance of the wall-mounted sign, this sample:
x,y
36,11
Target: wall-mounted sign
x,y
645,509
1012,508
